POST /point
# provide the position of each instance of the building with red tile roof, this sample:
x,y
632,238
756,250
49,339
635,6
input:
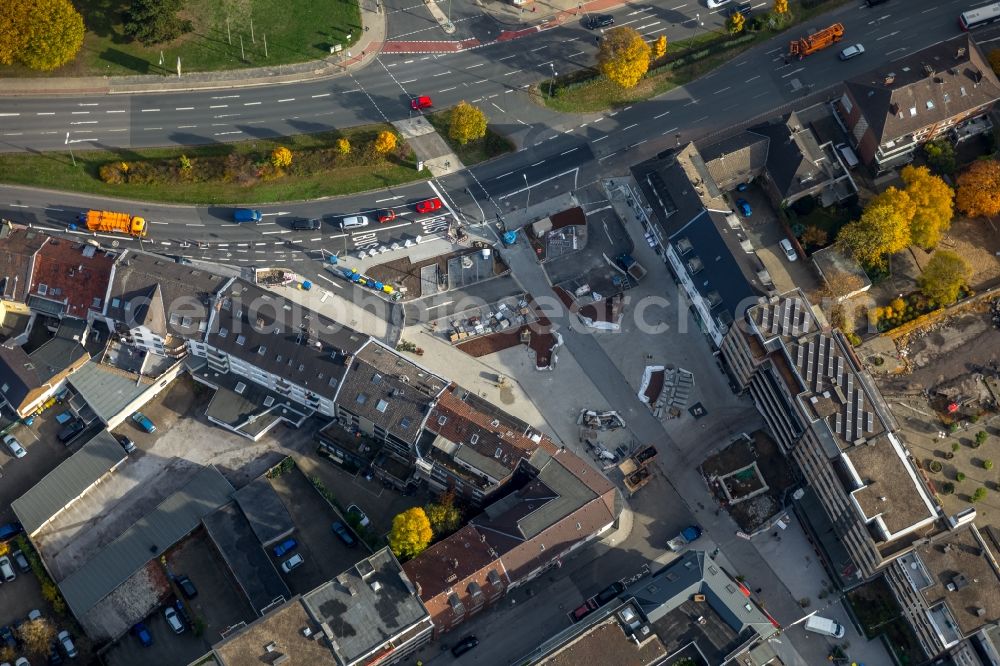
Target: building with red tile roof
x,y
473,446
457,578
517,538
70,278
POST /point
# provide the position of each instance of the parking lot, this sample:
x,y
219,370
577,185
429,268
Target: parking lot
x,y
219,605
765,233
44,453
325,555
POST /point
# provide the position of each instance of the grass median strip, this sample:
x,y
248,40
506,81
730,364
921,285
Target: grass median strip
x,y
490,146
222,173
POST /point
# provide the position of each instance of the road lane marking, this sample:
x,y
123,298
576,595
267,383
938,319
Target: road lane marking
x,y
321,95
537,164
625,129
42,113
665,113
400,196
718,92
251,103
148,110
441,73
506,58
219,106
184,108
115,111
569,151
75,113
287,99
405,82
440,305
480,64
752,78
447,89
600,139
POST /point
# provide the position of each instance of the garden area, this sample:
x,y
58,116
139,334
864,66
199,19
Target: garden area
x,y
879,614
304,166
667,66
817,227
208,34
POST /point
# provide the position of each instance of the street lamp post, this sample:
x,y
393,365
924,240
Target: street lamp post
x,y
70,149
552,65
528,201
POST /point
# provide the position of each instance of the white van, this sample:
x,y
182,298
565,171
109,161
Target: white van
x,y
850,158
822,625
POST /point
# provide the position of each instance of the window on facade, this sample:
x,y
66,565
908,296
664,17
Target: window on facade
x,y
361,399
261,350
474,439
223,332
382,406
241,340
115,303
404,423
43,289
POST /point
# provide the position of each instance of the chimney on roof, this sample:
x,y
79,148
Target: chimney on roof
x,y
894,109
889,78
928,70
960,53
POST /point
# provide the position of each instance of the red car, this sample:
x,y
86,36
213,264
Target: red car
x,y
422,102
429,206
385,215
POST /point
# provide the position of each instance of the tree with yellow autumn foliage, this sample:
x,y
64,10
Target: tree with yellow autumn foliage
x,y
883,230
780,6
735,23
660,46
411,533
281,157
40,34
934,199
978,192
343,146
466,123
623,56
385,142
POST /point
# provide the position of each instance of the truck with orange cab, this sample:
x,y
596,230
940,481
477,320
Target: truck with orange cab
x,y
121,223
817,41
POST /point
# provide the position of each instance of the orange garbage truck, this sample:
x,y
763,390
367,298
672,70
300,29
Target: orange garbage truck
x,y
817,41
122,223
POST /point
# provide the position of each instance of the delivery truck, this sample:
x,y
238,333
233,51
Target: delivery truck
x,y
119,223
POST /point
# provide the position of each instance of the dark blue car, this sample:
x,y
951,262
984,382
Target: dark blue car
x,y
285,546
744,207
10,529
142,633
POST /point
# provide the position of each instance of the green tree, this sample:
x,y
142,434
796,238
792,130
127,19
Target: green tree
x,y
934,199
411,533
944,276
384,143
40,34
466,123
443,515
940,156
623,56
281,157
883,230
978,192
981,437
735,23
978,495
155,21
987,464
185,162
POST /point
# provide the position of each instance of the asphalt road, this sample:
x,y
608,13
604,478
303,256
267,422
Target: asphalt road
x,y
558,153
492,76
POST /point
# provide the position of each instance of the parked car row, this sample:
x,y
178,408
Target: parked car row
x,y
382,215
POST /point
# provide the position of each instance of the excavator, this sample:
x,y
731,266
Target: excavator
x,y
818,40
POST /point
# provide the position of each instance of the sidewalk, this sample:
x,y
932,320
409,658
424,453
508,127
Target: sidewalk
x,y
339,64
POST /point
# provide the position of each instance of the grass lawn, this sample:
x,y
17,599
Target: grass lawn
x,y
490,146
226,173
295,30
585,91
